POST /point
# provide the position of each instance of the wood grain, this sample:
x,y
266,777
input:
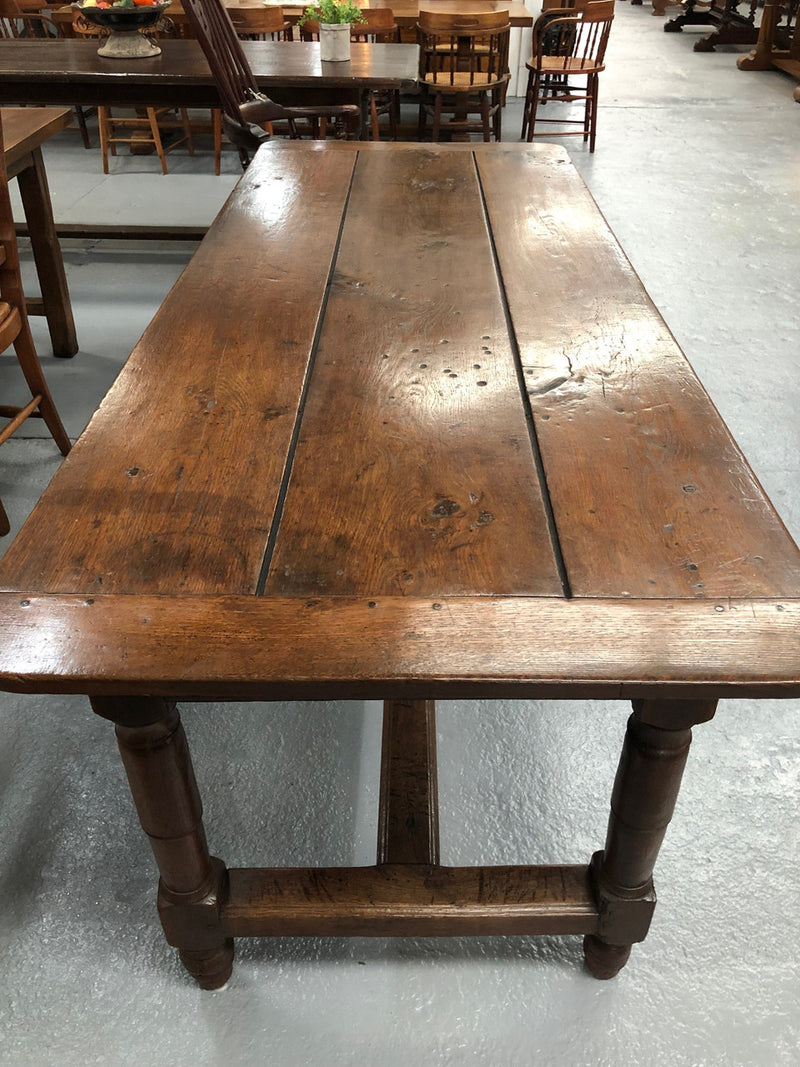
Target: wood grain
x,y
408,900
155,500
651,494
251,648
414,473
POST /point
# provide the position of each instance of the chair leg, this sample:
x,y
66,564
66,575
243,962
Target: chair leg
x,y
526,108
151,115
593,134
216,127
103,123
587,111
81,117
32,371
487,133
534,103
422,122
187,129
373,118
437,119
5,525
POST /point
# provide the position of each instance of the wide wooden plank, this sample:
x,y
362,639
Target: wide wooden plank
x,y
652,497
255,648
172,487
414,472
412,900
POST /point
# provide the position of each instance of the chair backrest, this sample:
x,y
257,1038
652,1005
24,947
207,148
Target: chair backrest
x,y
586,33
16,22
309,30
378,25
258,23
236,84
463,49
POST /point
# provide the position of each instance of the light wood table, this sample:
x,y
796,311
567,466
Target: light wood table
x,y
25,130
407,426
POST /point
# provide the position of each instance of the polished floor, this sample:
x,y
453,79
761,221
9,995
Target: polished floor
x,y
697,170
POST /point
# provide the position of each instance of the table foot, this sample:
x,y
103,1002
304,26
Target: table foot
x,y
210,968
645,791
604,961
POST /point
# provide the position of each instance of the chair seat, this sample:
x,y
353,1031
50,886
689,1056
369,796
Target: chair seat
x,y
564,65
461,83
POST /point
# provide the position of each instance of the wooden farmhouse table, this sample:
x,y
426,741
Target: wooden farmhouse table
x,y
24,132
71,72
408,426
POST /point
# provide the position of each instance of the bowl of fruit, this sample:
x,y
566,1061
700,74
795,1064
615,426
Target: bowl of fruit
x,y
124,20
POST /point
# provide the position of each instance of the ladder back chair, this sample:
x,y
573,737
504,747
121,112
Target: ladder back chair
x,y
14,330
580,40
244,107
463,70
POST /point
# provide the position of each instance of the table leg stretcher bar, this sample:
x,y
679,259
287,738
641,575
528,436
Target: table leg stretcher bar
x,y
408,893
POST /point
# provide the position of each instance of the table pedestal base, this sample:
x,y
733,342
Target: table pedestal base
x,y
407,893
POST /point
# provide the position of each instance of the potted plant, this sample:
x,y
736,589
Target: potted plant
x,y
334,20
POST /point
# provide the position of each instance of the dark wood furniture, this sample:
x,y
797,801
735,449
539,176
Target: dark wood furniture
x,y
434,442
70,71
463,71
778,43
14,328
732,26
25,131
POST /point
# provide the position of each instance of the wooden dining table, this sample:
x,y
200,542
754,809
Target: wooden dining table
x,y
408,426
25,130
71,72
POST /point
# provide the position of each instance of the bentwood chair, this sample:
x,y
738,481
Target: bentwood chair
x,y
244,108
463,70
14,330
581,39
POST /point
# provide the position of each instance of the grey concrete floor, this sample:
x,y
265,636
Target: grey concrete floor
x,y
697,170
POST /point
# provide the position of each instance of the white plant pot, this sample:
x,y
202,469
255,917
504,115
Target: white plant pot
x,y
334,42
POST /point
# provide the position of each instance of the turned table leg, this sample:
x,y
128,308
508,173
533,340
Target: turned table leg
x,y
193,884
643,800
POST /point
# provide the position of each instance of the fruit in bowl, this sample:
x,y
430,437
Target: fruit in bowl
x,y
124,19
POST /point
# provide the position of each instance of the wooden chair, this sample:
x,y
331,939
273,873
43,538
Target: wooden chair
x,y
138,128
463,70
584,37
244,107
380,27
260,24
14,330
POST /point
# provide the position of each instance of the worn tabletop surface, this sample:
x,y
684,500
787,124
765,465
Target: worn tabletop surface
x,y
408,423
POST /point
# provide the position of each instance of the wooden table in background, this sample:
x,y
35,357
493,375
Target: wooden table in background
x,y
778,45
408,426
24,131
71,72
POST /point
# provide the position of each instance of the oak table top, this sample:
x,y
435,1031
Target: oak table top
x,y
384,451
408,426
